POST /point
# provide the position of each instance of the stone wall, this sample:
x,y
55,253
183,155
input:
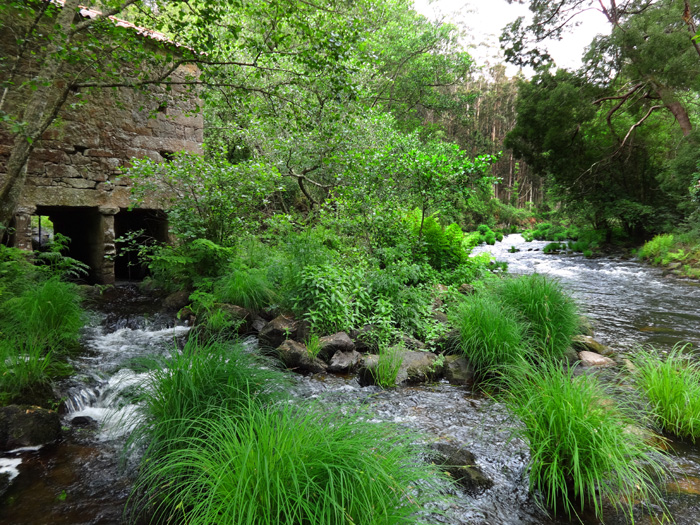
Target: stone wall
x,y
79,161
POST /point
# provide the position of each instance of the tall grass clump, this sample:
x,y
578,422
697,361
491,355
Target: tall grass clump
x,y
290,465
26,372
551,314
388,365
583,449
672,387
47,314
491,335
246,287
201,378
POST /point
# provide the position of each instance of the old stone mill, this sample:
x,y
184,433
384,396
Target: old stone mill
x,y
75,174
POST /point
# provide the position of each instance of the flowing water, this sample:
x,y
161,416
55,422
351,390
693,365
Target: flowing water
x,y
80,480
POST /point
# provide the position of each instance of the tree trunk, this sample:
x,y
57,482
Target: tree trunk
x,y
676,108
41,110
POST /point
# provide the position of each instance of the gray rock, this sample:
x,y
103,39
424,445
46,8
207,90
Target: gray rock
x,y
331,344
412,344
277,331
296,357
344,361
458,371
591,359
177,300
466,289
258,324
416,367
27,426
460,464
585,325
440,317
587,343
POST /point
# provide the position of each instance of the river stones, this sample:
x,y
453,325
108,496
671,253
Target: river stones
x,y
277,331
27,426
416,367
331,344
295,356
591,359
458,371
177,300
342,362
586,342
460,464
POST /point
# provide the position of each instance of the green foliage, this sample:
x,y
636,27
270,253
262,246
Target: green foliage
x,y
553,247
191,383
443,247
27,371
583,453
551,314
388,365
292,464
184,265
672,386
491,335
207,198
657,249
249,288
55,263
46,314
331,298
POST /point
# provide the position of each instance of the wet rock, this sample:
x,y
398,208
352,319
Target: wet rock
x,y
27,426
258,324
5,480
237,315
466,289
345,361
83,422
187,315
277,331
591,359
587,343
303,330
684,485
177,300
448,342
412,344
331,344
416,367
460,464
458,371
296,357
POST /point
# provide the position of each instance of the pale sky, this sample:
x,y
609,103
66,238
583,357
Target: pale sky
x,y
484,20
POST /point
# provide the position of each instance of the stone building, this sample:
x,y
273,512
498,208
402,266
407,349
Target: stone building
x,y
75,174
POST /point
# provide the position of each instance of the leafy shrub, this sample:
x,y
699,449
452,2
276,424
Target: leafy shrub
x,y
551,314
491,335
443,247
186,265
331,298
672,386
582,452
291,464
657,248
552,247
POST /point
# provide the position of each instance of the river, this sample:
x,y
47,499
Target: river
x,y
81,480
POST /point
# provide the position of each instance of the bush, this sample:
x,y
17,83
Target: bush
x,y
491,335
443,247
388,365
289,465
552,247
657,248
249,288
47,315
672,386
551,314
582,451
187,265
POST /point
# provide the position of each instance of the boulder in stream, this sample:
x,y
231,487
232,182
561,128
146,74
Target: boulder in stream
x,y
27,426
277,331
177,300
296,357
458,371
416,367
331,344
591,359
460,464
587,343
345,361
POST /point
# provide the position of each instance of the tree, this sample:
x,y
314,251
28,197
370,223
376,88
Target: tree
x,y
650,56
78,49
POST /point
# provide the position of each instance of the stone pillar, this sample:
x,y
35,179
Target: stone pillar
x,y
105,247
23,227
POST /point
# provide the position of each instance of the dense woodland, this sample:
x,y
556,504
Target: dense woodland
x,y
354,155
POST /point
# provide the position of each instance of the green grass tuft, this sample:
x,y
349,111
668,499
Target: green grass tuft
x,y
248,288
552,315
672,386
583,449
